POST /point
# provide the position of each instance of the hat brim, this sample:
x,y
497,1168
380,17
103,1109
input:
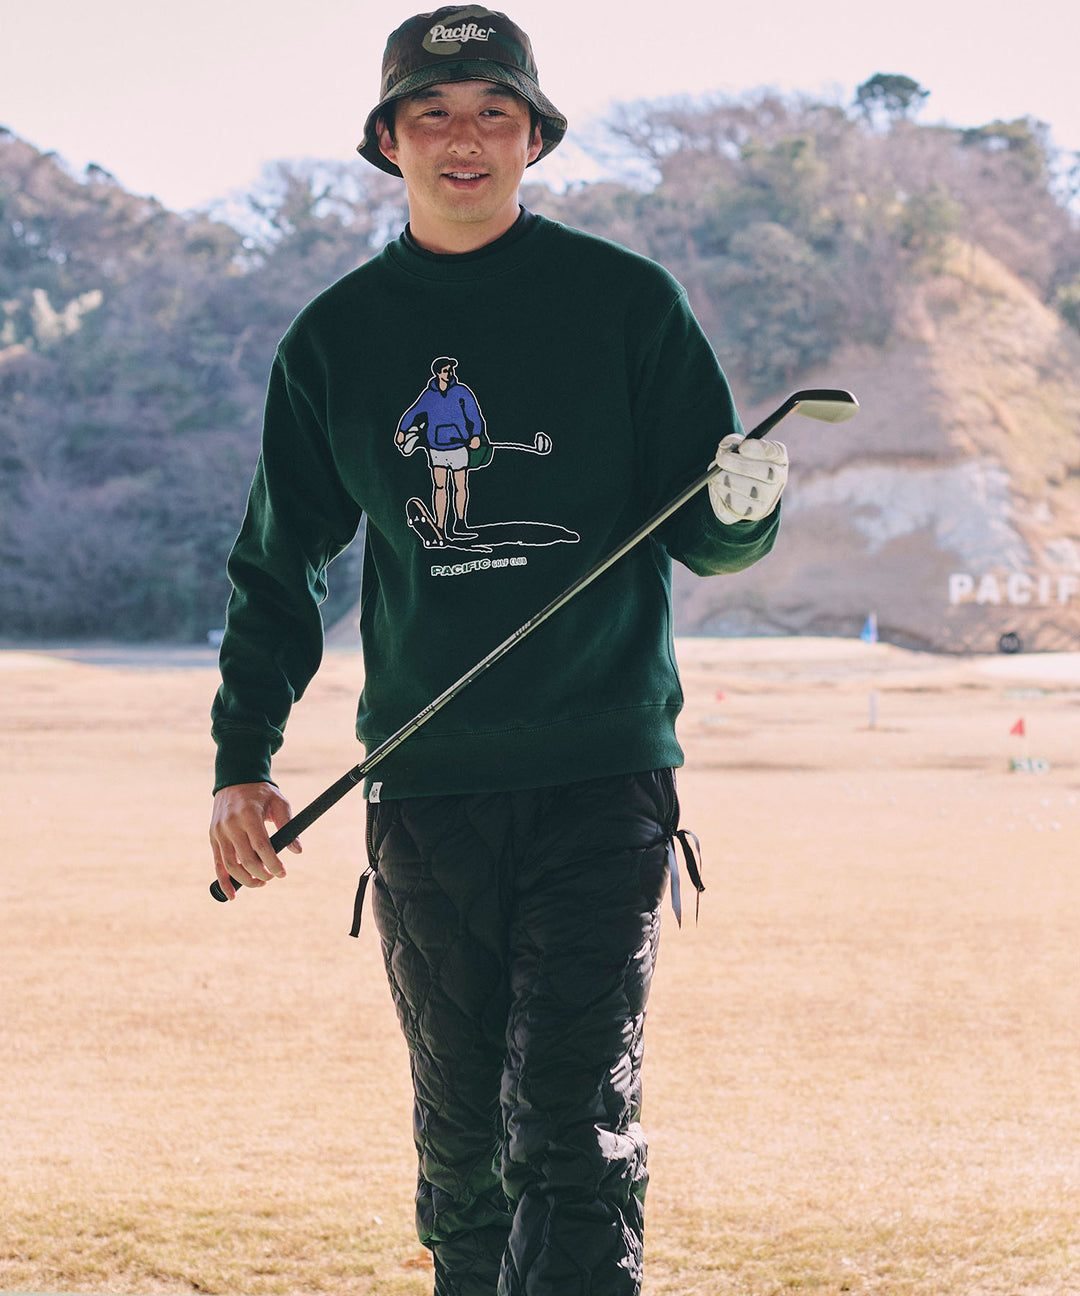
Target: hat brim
x,y
552,122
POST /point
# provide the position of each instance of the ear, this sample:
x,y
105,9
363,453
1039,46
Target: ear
x,y
386,143
535,144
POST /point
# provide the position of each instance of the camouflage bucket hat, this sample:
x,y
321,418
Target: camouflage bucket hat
x,y
459,44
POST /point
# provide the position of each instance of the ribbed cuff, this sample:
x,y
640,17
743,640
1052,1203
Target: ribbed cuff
x,y
241,758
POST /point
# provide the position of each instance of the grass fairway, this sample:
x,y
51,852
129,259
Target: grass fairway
x,y
863,1062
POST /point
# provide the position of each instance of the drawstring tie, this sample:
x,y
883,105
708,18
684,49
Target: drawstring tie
x,y
692,858
358,903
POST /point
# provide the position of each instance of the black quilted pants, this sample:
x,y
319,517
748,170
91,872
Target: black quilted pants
x,y
520,931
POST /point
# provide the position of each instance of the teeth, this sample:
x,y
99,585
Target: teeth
x,y
465,175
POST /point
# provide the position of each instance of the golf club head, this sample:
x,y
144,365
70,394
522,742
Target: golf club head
x,y
827,404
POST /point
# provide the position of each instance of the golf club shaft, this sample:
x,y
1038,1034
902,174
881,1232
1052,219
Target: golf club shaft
x,y
306,817
540,440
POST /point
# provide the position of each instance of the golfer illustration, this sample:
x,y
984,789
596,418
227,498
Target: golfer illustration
x,y
446,418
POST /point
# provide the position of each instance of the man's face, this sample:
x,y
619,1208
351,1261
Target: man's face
x,y
444,376
462,148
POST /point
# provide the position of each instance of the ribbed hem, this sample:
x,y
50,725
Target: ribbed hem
x,y
614,742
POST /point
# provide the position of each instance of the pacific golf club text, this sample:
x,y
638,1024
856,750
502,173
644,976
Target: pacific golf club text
x,y
478,564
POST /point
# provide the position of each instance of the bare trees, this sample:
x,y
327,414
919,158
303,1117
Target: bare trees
x,y
795,223
134,342
134,348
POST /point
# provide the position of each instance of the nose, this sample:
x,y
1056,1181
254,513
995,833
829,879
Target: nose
x,y
464,138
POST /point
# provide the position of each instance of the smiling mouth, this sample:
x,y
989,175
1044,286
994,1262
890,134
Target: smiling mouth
x,y
464,175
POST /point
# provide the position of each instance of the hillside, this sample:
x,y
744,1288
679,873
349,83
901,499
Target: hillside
x,y
951,506
934,271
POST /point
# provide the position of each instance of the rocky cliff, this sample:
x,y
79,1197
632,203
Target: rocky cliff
x,y
950,507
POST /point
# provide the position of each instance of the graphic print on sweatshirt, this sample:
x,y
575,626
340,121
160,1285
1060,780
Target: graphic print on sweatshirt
x,y
445,422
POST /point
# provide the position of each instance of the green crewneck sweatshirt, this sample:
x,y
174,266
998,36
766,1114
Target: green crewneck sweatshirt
x,y
571,378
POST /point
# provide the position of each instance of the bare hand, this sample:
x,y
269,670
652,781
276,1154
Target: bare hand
x,y
238,836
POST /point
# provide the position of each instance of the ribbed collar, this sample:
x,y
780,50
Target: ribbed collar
x,y
506,252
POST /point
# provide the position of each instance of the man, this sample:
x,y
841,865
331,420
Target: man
x,y
520,841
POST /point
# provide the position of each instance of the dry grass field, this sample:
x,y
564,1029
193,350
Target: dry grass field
x,y
863,1062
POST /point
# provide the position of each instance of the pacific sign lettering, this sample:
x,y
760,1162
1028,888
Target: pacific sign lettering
x,y
1017,589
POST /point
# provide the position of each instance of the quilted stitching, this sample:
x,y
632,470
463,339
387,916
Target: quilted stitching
x,y
519,932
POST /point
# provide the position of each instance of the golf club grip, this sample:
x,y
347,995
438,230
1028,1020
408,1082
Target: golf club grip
x,y
300,822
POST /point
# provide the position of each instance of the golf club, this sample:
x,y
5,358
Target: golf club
x,y
541,445
828,405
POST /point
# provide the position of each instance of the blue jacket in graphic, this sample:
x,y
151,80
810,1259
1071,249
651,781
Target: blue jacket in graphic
x,y
451,417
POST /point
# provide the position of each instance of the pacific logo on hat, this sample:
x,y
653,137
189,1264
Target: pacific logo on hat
x,y
449,36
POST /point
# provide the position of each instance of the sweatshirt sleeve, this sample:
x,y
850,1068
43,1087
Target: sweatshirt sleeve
x,y
684,409
299,516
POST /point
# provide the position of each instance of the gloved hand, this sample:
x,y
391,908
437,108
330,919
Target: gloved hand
x,y
752,481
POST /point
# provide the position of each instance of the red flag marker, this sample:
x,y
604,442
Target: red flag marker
x,y
1018,728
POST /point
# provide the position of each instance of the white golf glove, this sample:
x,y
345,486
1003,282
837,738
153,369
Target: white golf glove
x,y
752,481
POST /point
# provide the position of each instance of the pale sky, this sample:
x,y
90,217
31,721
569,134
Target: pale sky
x,y
187,101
